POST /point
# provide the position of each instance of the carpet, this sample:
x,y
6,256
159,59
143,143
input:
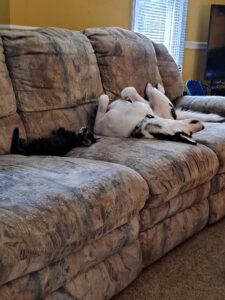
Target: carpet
x,y
194,270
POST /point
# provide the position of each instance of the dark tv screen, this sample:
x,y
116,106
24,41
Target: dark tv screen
x,y
215,62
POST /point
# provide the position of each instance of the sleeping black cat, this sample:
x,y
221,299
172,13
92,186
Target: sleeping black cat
x,y
58,143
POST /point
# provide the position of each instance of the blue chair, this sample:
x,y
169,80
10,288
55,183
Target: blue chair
x,y
195,88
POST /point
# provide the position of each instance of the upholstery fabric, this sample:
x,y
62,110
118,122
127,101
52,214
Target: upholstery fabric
x,y
7,125
8,116
104,280
127,56
213,136
52,206
169,168
217,206
163,237
150,216
7,97
217,183
169,72
38,123
51,68
205,104
52,277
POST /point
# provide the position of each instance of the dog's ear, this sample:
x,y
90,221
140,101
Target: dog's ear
x,y
160,88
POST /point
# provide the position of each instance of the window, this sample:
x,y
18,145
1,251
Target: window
x,y
163,22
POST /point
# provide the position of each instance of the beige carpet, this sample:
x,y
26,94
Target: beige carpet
x,y
194,271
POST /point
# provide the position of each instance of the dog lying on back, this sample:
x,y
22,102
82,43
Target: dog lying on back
x,y
138,117
58,143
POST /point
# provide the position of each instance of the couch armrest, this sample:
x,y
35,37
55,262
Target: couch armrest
x,y
205,104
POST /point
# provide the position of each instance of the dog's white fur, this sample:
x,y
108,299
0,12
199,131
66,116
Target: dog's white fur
x,y
187,114
120,118
164,108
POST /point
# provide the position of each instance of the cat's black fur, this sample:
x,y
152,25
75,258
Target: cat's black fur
x,y
58,143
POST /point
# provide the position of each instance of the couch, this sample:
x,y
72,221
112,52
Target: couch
x,y
84,226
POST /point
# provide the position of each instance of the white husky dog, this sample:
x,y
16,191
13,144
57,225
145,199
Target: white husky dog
x,y
138,117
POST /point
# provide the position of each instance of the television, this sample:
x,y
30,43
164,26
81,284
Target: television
x,y
215,61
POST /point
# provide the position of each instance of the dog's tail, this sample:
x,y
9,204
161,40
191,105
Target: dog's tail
x,y
15,141
188,114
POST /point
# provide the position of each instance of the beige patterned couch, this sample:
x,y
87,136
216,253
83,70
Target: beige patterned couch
x,y
85,225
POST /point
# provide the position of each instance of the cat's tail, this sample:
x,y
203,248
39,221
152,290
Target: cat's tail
x,y
15,142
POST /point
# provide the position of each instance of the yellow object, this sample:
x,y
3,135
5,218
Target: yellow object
x,y
4,11
72,14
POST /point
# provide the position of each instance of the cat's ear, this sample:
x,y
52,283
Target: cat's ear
x,y
15,141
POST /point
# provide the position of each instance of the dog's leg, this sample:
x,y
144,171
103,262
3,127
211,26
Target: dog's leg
x,y
130,93
103,102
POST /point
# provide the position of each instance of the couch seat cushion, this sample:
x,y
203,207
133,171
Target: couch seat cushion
x,y
169,168
213,136
50,207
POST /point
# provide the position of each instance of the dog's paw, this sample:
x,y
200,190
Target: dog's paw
x,y
103,102
128,93
103,99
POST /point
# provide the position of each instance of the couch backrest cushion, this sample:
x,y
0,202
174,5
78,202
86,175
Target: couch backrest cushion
x,y
9,119
52,70
124,58
169,72
40,123
7,97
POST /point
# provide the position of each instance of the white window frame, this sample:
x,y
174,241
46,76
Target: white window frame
x,y
174,42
